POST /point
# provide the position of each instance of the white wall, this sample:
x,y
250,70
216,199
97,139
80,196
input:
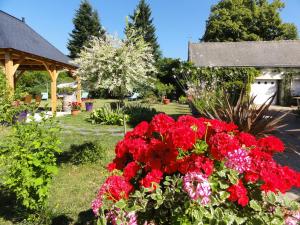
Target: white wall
x,y
269,74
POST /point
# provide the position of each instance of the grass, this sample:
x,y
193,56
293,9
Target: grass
x,y
75,186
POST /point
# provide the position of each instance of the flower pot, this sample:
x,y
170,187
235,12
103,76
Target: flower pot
x,y
166,101
27,99
38,99
75,112
89,106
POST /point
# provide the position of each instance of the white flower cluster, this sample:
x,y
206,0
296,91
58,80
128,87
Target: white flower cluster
x,y
115,64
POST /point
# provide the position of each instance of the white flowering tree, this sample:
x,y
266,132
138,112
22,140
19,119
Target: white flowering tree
x,y
120,66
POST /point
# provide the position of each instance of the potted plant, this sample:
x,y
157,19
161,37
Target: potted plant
x,y
89,105
166,101
75,108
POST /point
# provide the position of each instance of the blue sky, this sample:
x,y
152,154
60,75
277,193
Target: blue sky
x,y
176,21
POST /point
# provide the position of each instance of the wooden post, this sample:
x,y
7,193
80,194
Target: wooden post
x,y
53,75
9,67
53,90
78,94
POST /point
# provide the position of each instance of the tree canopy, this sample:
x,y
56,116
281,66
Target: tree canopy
x,y
248,20
120,66
86,24
142,22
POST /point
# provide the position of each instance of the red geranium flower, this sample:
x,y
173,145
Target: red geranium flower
x,y
247,139
152,179
140,131
115,188
197,125
271,144
131,170
238,193
181,136
222,143
161,123
196,163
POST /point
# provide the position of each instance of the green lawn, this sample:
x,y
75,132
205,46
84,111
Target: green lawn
x,y
75,186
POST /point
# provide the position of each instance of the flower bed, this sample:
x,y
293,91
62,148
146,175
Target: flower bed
x,y
196,171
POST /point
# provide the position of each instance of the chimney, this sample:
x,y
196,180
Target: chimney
x,y
23,19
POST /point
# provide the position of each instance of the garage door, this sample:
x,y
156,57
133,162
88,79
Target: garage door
x,y
264,89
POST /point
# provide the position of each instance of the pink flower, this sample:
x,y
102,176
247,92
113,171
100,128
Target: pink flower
x,y
96,204
112,217
197,187
238,160
293,219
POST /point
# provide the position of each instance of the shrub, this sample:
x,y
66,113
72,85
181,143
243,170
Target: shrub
x,y
195,171
257,120
107,116
182,99
87,152
29,156
150,98
138,113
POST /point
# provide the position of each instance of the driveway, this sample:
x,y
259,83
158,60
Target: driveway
x,y
290,135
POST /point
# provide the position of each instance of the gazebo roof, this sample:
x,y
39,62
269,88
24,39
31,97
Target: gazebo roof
x,y
17,36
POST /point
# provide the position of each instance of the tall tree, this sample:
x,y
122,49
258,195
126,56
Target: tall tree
x,y
86,24
248,20
142,21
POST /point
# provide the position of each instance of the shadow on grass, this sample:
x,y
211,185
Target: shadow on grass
x,y
84,218
62,220
87,152
9,209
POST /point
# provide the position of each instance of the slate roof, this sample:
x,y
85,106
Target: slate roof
x,y
272,54
16,34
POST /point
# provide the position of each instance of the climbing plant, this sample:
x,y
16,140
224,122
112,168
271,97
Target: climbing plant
x,y
208,78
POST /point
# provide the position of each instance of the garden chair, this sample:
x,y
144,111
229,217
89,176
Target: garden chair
x,y
135,96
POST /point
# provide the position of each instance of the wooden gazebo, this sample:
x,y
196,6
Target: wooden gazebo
x,y
21,49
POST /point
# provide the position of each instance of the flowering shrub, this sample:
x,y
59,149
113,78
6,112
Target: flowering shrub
x,y
196,171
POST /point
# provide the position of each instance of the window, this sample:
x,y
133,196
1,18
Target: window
x,y
266,82
258,82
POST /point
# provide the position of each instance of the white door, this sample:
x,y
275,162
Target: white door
x,y
263,90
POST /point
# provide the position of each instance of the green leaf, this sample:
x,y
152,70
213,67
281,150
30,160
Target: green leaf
x,y
218,214
254,205
271,197
121,204
38,181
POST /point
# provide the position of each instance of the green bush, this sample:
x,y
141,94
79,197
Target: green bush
x,y
138,113
29,157
8,112
87,152
108,116
182,99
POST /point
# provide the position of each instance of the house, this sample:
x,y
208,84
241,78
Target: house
x,y
278,61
